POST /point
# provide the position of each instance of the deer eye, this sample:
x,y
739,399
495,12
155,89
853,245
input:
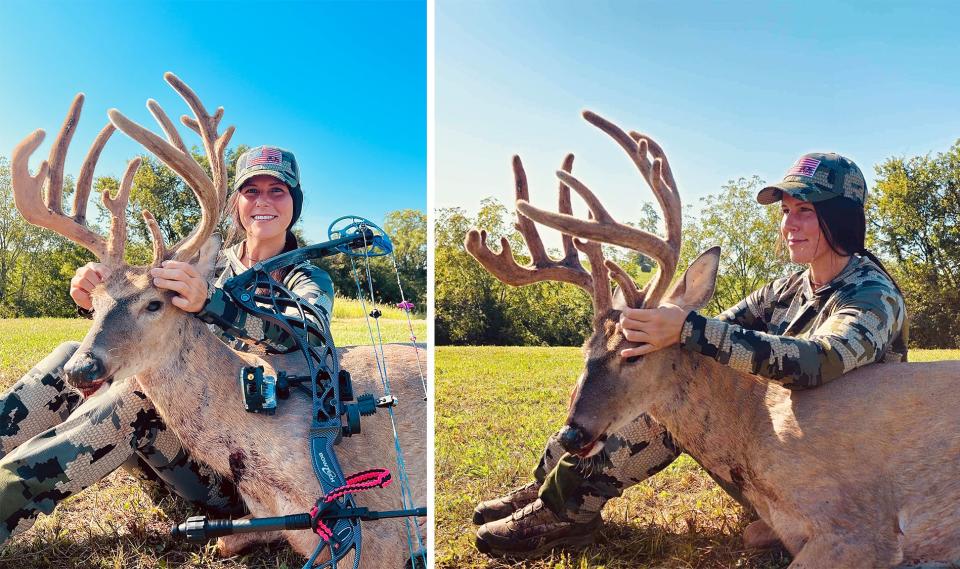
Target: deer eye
x,y
632,359
154,305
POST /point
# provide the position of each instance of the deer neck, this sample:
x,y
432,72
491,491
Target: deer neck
x,y
707,406
196,384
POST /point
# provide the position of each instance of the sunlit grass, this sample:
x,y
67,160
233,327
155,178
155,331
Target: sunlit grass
x,y
352,308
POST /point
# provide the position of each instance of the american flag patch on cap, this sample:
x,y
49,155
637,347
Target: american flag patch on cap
x,y
266,156
804,166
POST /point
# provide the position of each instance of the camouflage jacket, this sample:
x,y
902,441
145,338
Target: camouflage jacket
x,y
801,337
245,333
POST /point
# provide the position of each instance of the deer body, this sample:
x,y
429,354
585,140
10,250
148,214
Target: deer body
x,y
873,456
193,384
268,458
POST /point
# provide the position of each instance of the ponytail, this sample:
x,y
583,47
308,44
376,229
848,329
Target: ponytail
x,y
873,258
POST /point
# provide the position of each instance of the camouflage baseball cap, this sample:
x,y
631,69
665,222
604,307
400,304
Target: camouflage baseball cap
x,y
816,177
269,161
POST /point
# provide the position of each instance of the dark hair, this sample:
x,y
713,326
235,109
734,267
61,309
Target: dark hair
x,y
844,226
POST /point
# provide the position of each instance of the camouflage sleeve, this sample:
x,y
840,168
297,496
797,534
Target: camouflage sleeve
x,y
221,311
311,285
855,334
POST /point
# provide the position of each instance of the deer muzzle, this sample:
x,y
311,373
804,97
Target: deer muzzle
x,y
85,371
575,440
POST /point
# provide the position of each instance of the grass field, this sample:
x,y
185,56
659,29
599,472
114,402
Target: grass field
x,y
120,522
491,423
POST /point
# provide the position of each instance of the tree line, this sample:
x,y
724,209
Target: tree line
x,y
913,226
36,265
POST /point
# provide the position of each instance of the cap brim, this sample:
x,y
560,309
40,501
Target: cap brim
x,y
273,174
798,190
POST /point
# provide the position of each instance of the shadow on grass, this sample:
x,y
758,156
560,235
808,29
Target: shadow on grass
x,y
625,545
120,523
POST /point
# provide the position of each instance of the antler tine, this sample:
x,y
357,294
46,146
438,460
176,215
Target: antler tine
x,y
58,155
85,178
542,268
28,189
118,213
602,296
527,229
564,206
211,193
167,125
156,236
206,126
633,295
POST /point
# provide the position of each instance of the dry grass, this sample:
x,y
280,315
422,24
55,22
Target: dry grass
x,y
121,522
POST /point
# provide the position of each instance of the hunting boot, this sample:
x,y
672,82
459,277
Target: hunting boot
x,y
533,531
499,508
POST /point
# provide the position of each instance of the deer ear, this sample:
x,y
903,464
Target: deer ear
x,y
619,300
208,256
694,290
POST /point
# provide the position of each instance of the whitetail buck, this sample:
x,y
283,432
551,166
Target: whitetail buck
x,y
188,373
861,472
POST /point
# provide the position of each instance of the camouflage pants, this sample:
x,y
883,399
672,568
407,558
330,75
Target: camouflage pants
x,y
54,445
577,489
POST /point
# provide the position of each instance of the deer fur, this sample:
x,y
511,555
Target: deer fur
x,y
861,472
192,382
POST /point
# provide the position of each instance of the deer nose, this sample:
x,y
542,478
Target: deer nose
x,y
572,438
87,369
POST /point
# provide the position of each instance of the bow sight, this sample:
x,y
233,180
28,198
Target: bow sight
x,y
336,517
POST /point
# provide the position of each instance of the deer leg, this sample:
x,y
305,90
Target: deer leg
x,y
847,551
230,545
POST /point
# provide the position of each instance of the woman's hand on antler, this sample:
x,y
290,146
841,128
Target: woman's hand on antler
x,y
85,280
183,279
654,328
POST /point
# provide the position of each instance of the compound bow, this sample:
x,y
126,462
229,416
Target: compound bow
x,y
336,517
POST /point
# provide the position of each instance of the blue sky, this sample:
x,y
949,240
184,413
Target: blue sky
x,y
729,89
342,84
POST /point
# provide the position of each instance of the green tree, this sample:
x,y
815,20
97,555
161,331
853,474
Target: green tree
x,y
473,307
407,229
914,215
748,235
